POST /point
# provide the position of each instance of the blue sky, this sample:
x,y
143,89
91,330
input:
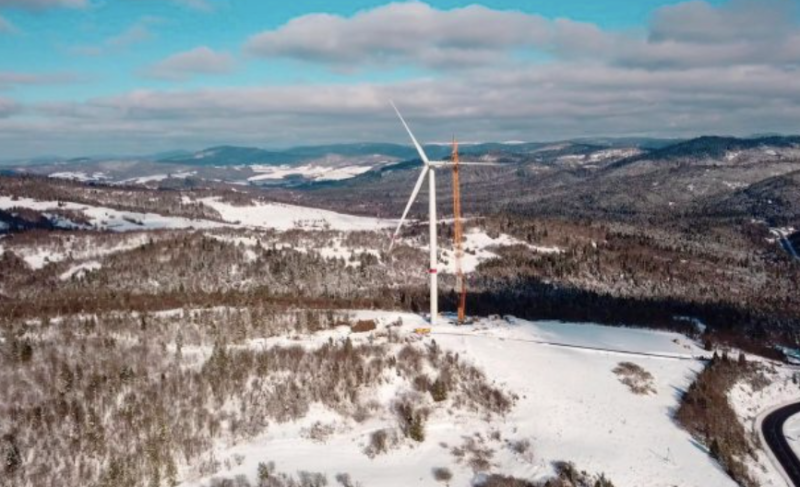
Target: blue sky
x,y
83,76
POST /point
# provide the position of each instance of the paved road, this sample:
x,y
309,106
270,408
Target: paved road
x,y
772,427
789,248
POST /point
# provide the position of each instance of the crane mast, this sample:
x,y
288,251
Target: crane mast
x,y
458,235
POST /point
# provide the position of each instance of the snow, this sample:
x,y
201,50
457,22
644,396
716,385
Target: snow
x,y
571,407
38,257
477,245
111,219
285,217
308,171
792,431
158,177
80,270
145,179
607,154
78,176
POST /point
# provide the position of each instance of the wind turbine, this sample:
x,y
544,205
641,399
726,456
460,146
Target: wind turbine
x,y
428,169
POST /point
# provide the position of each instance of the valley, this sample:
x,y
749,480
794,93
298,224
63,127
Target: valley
x,y
591,312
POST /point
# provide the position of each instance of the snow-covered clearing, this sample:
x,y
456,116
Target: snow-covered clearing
x,y
571,407
80,270
39,256
110,219
154,178
309,171
477,249
79,176
286,217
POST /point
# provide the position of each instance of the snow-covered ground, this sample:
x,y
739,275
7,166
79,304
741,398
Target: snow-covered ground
x,y
39,256
79,176
158,177
308,171
571,407
285,217
477,249
80,270
108,218
792,431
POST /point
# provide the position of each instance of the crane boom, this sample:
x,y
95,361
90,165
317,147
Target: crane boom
x,y
458,235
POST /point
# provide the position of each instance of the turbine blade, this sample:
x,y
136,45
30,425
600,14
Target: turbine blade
x,y
411,200
468,163
421,152
465,163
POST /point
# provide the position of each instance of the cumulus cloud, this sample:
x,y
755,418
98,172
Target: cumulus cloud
x,y
404,32
735,21
201,60
690,34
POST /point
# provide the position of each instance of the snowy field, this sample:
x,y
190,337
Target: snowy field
x,y
259,215
309,171
478,249
107,218
285,217
571,406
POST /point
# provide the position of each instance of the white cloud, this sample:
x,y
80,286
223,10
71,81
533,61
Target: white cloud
x,y
737,20
201,60
688,34
403,32
537,103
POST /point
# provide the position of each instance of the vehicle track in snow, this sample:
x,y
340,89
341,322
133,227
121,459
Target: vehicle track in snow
x,y
576,347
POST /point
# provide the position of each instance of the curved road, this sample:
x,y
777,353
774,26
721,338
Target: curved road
x,y
772,428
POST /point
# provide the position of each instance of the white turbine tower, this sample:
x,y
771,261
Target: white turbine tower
x,y
428,169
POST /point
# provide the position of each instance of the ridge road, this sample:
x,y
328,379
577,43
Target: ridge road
x,y
772,429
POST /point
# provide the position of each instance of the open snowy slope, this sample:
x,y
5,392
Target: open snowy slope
x,y
571,406
478,247
108,218
285,217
